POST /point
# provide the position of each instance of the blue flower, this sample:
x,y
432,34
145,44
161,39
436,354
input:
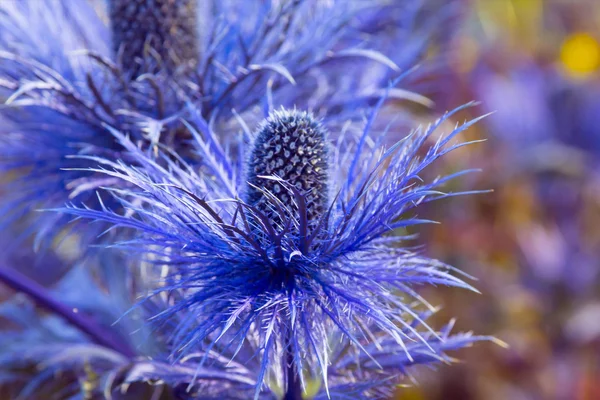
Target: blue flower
x,y
156,32
61,86
302,270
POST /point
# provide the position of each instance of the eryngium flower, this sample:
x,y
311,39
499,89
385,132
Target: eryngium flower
x,y
337,305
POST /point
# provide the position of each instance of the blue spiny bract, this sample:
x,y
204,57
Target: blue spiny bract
x,y
290,145
154,32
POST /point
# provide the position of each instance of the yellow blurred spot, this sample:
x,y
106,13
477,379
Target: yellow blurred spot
x,y
580,54
312,388
409,393
517,23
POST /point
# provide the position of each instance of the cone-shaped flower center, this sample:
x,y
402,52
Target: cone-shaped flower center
x,y
290,145
152,34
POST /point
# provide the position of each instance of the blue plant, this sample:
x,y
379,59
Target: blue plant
x,y
310,287
270,265
61,87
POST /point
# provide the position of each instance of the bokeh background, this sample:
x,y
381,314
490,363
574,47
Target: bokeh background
x,y
534,243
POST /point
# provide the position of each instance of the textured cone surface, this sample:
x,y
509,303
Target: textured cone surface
x,y
292,146
168,27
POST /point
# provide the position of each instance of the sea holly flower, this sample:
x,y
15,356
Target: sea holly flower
x,y
301,270
292,147
62,84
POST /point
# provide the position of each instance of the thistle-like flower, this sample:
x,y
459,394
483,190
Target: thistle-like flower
x,y
291,146
61,88
261,263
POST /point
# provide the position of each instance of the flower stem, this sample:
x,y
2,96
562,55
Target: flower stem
x,y
294,386
20,283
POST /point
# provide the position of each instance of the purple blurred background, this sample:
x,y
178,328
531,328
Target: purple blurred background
x,y
534,243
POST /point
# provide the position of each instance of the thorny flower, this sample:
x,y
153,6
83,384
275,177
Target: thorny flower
x,y
304,272
61,85
165,32
291,146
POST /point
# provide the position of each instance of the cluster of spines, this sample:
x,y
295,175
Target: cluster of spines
x,y
152,35
290,145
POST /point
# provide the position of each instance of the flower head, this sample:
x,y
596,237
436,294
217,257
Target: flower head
x,y
60,89
291,146
311,286
165,32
